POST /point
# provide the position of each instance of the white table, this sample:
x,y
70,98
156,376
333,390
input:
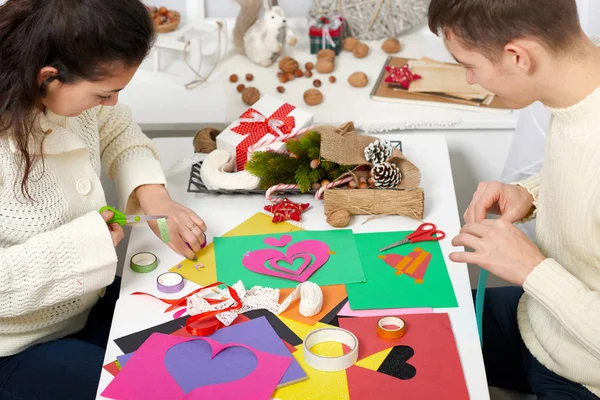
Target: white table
x,y
158,104
222,213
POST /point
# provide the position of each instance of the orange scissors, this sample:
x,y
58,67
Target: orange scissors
x,y
425,232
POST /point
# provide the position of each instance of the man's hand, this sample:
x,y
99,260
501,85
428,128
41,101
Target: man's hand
x,y
512,202
500,248
185,226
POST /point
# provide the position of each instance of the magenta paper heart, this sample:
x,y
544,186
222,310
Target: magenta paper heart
x,y
281,242
315,251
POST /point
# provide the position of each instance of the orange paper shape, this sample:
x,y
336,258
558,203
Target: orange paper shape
x,y
332,296
414,265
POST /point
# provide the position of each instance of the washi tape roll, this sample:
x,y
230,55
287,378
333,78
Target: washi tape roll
x,y
144,262
391,328
330,364
170,282
163,229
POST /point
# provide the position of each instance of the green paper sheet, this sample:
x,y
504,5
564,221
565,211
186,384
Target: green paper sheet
x,y
342,267
384,289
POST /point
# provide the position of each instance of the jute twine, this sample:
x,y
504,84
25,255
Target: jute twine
x,y
375,19
408,203
205,140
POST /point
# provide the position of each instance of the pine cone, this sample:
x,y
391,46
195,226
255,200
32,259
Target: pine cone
x,y
386,175
378,151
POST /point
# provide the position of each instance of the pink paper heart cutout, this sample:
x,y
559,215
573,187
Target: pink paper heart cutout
x,y
318,251
273,262
281,242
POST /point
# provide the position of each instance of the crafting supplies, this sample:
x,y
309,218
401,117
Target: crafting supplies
x,y
425,232
125,219
330,364
479,300
170,282
143,262
163,229
217,172
391,328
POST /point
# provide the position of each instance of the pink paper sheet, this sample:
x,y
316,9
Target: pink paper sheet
x,y
147,377
346,311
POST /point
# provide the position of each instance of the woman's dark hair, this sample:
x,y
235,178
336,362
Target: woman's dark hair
x,y
82,39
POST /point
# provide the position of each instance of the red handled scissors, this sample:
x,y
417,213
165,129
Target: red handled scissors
x,y
425,232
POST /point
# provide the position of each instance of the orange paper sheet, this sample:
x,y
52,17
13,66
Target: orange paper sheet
x,y
332,296
206,272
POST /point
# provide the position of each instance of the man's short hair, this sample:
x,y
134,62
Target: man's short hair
x,y
488,25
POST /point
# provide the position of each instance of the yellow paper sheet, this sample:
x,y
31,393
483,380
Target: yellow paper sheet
x,y
373,362
259,223
319,385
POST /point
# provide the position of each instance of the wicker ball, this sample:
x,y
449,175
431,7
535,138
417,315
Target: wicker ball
x,y
250,95
205,140
339,218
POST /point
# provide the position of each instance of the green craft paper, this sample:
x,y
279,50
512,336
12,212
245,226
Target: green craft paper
x,y
342,267
384,289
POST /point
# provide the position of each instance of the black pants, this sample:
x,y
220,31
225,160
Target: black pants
x,y
64,369
508,363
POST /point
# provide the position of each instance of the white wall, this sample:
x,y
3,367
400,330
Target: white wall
x,y
229,8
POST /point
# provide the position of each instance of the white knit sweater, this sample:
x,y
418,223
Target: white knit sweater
x,y
56,253
559,314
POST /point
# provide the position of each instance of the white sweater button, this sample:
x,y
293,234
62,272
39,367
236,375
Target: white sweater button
x,y
84,186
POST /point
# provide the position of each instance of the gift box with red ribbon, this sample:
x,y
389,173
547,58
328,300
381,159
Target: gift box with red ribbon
x,y
268,119
326,33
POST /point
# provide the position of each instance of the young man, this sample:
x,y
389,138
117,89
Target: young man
x,y
543,338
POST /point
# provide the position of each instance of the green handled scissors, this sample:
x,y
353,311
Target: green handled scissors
x,y
124,219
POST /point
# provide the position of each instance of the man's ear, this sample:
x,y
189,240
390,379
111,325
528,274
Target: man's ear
x,y
46,73
520,54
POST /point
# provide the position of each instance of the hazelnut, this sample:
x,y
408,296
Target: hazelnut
x,y
324,66
308,73
360,50
288,64
332,79
249,77
250,95
280,74
352,184
358,79
315,186
391,46
313,97
363,185
324,182
233,78
162,11
326,54
309,66
172,15
241,87
157,20
299,73
314,164
280,89
290,76
349,43
284,78
317,83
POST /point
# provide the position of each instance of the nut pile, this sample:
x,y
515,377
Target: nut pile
x,y
162,15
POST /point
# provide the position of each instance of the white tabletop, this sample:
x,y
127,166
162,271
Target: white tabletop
x,y
222,213
159,104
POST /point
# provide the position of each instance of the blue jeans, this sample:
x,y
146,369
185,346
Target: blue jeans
x,y
508,363
64,369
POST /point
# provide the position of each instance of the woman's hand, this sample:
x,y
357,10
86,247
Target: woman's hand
x,y
116,231
512,202
500,248
185,226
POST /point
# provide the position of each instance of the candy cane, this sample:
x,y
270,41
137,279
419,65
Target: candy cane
x,y
339,182
277,188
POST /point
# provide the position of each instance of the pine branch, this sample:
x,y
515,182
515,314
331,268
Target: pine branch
x,y
303,178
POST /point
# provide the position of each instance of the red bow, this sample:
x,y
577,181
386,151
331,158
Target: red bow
x,y
256,126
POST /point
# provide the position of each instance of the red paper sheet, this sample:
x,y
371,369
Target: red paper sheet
x,y
112,368
439,371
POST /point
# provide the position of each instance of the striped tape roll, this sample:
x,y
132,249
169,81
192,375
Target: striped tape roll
x,y
144,262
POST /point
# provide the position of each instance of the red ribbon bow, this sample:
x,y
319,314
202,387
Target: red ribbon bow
x,y
256,126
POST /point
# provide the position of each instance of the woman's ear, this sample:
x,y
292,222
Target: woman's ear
x,y
45,74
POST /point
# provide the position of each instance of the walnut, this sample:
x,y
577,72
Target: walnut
x,y
360,50
324,66
313,97
391,46
350,42
250,95
288,64
358,79
326,54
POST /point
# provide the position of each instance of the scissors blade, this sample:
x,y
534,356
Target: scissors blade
x,y
396,244
134,219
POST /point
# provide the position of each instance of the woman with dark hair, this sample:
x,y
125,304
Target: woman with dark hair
x,y
62,65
